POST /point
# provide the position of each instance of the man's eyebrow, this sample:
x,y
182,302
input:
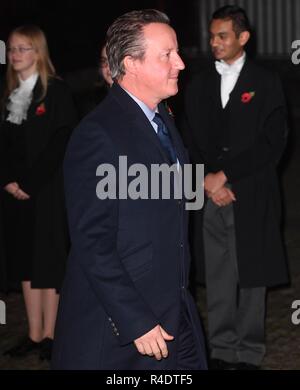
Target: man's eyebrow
x,y
219,33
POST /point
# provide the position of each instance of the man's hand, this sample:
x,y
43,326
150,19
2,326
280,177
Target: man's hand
x,y
223,197
15,191
213,182
153,343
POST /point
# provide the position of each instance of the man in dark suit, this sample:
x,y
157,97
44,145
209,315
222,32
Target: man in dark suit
x,y
125,303
236,126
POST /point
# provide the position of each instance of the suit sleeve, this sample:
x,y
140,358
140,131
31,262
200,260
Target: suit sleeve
x,y
94,228
269,144
62,117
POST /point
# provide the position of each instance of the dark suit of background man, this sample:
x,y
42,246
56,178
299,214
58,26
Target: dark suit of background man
x,y
125,303
236,126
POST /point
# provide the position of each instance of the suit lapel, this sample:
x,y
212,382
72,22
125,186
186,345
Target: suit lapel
x,y
138,119
145,126
243,84
214,88
169,121
36,94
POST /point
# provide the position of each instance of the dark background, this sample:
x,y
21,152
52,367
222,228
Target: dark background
x,y
75,29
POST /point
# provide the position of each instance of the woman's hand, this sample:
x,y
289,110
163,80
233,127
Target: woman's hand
x,y
21,195
12,188
16,191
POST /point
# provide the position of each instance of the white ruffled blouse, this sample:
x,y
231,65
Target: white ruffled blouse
x,y
20,99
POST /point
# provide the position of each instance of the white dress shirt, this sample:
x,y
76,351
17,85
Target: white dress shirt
x,y
20,100
229,75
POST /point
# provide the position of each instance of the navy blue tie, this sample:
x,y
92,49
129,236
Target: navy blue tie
x,y
165,139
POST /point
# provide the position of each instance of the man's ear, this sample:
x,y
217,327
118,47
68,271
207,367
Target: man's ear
x,y
130,64
244,37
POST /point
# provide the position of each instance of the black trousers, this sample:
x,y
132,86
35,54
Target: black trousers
x,y
236,315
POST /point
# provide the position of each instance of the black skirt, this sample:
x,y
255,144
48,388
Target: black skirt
x,y
18,225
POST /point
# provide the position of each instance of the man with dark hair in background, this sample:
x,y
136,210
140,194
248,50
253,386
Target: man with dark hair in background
x,y
236,126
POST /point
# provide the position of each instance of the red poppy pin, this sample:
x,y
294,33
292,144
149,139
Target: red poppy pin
x,y
170,112
247,96
40,110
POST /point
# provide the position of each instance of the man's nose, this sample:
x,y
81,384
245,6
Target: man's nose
x,y
214,41
179,63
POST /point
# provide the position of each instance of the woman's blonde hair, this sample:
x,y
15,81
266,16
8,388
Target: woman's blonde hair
x,y
45,67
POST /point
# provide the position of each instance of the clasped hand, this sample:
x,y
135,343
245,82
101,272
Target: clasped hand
x,y
15,190
214,185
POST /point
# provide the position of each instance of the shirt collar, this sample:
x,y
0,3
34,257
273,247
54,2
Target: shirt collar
x,y
29,83
235,67
147,111
237,63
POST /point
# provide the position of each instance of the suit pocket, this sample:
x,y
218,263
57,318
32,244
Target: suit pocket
x,y
138,261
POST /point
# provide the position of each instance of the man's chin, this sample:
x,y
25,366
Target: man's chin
x,y
173,88
173,92
218,57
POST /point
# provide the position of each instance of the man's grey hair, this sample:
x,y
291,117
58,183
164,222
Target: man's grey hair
x,y
125,38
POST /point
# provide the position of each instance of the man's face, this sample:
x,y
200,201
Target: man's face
x,y
224,43
157,73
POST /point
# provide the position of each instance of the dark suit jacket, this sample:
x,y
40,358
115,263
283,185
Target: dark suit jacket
x,y
246,141
129,262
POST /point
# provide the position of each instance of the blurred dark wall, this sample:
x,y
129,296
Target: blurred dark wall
x,y
75,29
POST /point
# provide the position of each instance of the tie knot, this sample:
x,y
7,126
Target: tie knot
x,y
160,123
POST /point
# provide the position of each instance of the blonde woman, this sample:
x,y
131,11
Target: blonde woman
x,y
37,118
